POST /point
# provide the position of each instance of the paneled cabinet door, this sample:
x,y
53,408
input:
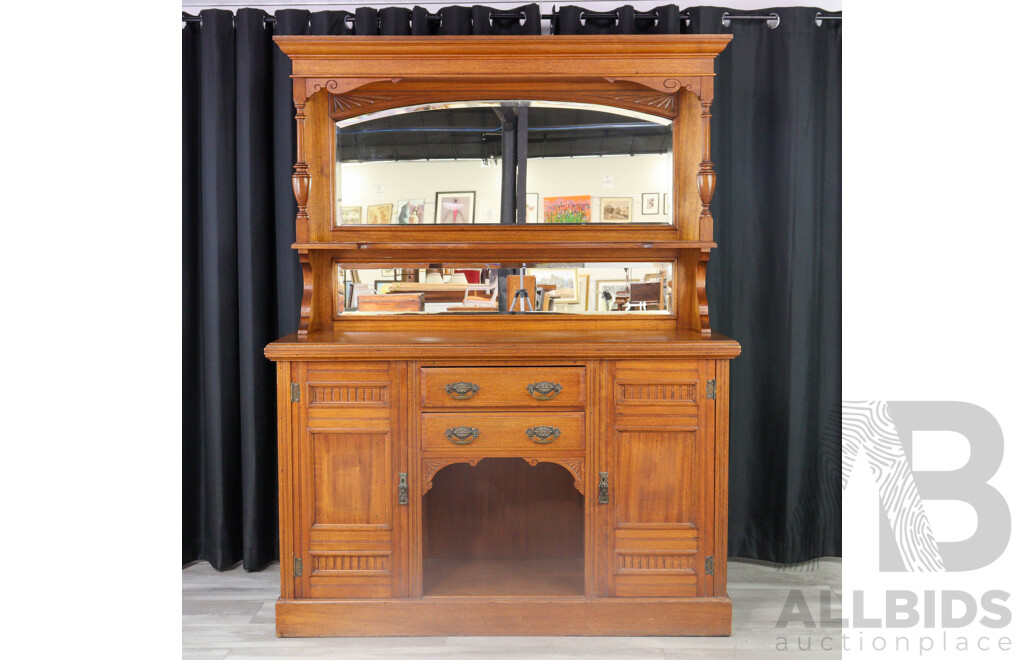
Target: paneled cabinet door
x,y
352,515
660,478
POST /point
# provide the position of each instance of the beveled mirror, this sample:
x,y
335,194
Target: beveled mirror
x,y
503,162
477,288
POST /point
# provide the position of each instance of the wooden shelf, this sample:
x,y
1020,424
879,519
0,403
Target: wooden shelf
x,y
325,245
501,342
449,578
492,245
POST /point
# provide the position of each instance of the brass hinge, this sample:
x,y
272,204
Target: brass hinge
x,y
712,387
296,392
297,567
709,565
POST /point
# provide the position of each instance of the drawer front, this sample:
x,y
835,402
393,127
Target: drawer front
x,y
519,431
505,387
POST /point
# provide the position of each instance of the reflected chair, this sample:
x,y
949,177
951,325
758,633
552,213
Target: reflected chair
x,y
644,296
479,298
359,289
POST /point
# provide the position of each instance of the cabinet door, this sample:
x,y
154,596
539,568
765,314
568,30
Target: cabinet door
x,y
352,524
659,458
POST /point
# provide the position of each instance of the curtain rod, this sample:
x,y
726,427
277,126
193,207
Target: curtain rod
x,y
819,17
772,20
519,15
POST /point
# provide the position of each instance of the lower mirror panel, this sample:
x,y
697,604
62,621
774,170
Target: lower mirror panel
x,y
502,288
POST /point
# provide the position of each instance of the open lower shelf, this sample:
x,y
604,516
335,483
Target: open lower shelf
x,y
502,577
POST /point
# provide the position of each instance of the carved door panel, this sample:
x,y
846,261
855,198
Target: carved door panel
x,y
659,458
353,523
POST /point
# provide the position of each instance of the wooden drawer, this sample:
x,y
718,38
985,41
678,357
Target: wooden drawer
x,y
519,431
502,387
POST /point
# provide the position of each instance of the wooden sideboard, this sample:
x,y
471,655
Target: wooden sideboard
x,y
497,473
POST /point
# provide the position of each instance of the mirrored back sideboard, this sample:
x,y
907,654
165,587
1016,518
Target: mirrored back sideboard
x,y
504,411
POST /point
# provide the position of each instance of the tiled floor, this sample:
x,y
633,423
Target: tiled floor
x,y
230,615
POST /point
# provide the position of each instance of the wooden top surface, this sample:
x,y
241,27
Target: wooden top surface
x,y
462,345
318,46
343,63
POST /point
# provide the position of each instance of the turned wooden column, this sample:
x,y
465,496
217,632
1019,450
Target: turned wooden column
x,y
301,177
706,174
300,186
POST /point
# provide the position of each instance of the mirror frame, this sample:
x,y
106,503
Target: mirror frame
x,y
685,199
671,76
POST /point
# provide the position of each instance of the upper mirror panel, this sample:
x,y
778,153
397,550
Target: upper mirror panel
x,y
459,164
594,164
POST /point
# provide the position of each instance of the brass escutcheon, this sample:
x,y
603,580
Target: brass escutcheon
x,y
403,488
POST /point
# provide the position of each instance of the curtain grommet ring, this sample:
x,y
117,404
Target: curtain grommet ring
x,y
772,20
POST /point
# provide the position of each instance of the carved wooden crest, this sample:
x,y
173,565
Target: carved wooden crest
x,y
646,98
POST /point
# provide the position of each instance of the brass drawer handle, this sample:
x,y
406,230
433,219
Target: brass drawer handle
x,y
542,435
461,390
544,390
462,435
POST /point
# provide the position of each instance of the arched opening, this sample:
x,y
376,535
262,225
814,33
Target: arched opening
x,y
503,527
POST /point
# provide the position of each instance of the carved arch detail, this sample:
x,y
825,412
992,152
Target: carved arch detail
x,y
702,87
573,465
340,85
345,106
432,466
641,99
651,94
344,103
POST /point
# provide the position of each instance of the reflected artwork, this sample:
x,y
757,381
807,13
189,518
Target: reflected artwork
x,y
350,215
616,209
455,208
649,203
378,214
410,212
567,210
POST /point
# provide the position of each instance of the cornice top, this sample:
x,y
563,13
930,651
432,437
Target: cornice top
x,y
318,47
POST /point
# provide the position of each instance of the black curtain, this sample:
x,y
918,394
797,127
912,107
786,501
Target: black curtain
x,y
774,284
